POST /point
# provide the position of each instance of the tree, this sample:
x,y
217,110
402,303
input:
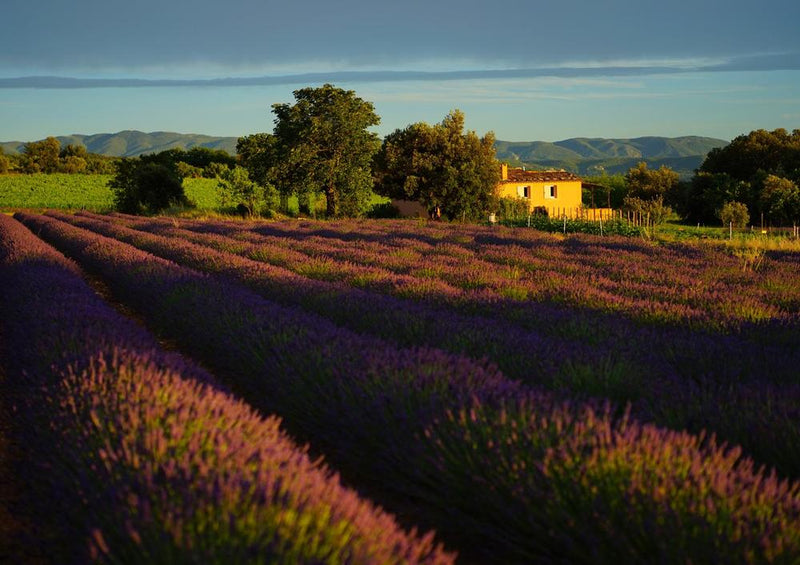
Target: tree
x,y
260,154
653,209
202,157
708,192
188,171
100,164
440,166
73,164
740,171
41,156
72,150
734,213
324,146
5,163
237,188
73,158
780,200
776,152
215,170
648,184
147,185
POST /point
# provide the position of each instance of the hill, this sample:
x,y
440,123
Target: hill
x,y
591,156
580,155
131,143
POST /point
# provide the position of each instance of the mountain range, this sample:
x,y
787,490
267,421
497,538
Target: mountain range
x,y
595,156
131,143
580,155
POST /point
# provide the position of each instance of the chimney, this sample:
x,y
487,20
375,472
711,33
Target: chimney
x,y
503,171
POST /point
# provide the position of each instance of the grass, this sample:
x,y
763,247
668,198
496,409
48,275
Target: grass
x,y
62,191
753,238
83,192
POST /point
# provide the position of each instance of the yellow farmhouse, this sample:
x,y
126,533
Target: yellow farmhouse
x,y
557,192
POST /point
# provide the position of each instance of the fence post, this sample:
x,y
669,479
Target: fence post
x,y
730,230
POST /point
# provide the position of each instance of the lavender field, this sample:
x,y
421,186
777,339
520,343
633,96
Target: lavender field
x,y
393,392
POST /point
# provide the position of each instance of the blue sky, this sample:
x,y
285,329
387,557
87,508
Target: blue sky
x,y
526,70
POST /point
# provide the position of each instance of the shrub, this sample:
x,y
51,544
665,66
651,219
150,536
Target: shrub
x,y
512,209
250,198
384,210
734,213
147,185
214,170
653,209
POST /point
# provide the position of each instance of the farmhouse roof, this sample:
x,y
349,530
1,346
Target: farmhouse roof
x,y
521,175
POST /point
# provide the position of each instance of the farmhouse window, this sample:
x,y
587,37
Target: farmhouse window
x,y
524,191
551,191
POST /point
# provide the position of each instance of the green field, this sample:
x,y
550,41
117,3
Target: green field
x,y
63,191
89,192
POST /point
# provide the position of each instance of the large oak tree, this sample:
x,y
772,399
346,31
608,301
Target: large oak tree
x,y
325,146
441,166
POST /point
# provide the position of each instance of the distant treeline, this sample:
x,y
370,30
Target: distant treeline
x,y
48,156
753,180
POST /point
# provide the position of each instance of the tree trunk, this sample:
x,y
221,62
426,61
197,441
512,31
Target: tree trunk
x,y
332,205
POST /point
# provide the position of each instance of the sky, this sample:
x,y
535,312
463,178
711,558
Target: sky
x,y
525,69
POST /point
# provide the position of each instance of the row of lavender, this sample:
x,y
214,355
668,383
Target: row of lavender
x,y
134,455
454,443
699,286
743,390
690,286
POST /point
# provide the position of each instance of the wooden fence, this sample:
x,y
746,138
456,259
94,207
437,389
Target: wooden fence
x,y
587,214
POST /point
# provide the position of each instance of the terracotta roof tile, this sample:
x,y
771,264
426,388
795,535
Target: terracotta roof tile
x,y
520,175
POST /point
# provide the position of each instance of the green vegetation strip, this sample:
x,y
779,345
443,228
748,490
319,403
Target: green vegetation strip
x,y
64,191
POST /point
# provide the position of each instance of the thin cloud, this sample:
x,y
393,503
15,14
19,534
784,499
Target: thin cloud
x,y
522,91
758,62
503,91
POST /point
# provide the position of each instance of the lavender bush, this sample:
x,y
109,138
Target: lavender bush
x,y
510,473
134,455
742,388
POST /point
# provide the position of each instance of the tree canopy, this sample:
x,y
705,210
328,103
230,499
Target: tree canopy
x,y
441,166
41,156
322,144
650,184
147,185
760,170
237,187
773,152
5,164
